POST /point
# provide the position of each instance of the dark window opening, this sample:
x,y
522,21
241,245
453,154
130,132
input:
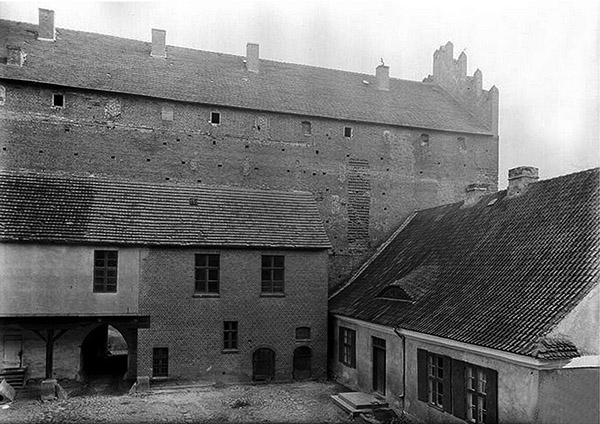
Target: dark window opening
x,y
215,118
394,293
424,140
347,347
207,273
160,362
230,335
58,100
347,132
105,271
303,333
306,128
272,274
462,143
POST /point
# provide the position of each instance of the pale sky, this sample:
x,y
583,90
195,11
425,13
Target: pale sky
x,y
542,55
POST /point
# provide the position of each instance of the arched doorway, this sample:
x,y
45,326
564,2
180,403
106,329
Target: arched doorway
x,y
263,365
104,351
302,363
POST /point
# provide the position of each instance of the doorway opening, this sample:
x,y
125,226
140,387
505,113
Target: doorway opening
x,y
104,352
379,361
263,365
302,363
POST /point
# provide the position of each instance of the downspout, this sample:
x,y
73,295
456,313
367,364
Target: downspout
x,y
403,394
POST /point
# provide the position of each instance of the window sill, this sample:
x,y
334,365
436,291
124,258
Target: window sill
x,y
302,340
272,295
159,378
229,351
206,295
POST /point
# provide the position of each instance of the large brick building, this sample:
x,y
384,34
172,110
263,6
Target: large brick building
x,y
202,281
370,148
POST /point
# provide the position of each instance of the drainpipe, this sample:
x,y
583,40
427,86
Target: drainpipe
x,y
403,394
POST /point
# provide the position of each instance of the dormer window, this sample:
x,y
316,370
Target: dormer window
x,y
348,132
215,118
394,293
58,100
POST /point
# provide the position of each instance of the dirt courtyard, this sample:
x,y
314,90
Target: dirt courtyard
x,y
300,402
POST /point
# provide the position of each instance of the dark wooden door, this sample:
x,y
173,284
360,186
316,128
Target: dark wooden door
x,y
379,365
302,363
263,365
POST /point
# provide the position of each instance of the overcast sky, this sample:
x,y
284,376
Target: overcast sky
x,y
542,55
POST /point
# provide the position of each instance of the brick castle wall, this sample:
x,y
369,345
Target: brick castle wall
x,y
365,186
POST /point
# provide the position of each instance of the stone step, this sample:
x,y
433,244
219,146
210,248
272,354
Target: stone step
x,y
345,406
359,400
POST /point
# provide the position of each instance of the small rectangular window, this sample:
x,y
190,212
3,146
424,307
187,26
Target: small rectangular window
x,y
306,128
230,335
160,362
105,271
215,118
207,270
347,347
462,143
347,132
303,333
167,113
58,100
272,270
424,140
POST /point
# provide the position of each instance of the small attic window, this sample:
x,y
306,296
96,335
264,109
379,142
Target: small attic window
x,y
424,140
306,128
462,143
348,132
193,201
215,118
394,293
58,100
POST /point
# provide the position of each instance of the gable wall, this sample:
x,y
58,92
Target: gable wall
x,y
364,186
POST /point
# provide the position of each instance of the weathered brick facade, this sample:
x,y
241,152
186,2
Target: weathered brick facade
x,y
364,185
191,326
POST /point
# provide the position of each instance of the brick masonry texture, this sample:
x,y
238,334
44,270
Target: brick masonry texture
x,y
125,136
192,327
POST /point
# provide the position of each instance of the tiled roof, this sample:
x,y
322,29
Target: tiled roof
x,y
101,62
499,275
84,209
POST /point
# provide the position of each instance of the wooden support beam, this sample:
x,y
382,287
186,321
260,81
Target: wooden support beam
x,y
40,335
49,352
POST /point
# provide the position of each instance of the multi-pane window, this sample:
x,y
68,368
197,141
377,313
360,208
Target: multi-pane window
x,y
160,362
459,388
303,333
105,271
230,335
435,380
347,347
476,379
272,274
207,273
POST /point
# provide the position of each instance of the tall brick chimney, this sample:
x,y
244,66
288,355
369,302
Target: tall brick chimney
x,y
46,25
519,178
252,58
159,43
473,193
382,74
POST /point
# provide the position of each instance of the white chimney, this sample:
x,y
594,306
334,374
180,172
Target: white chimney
x,y
46,25
382,74
252,61
159,43
519,178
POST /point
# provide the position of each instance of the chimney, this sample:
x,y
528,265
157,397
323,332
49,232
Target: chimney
x,y
474,192
46,25
252,61
159,43
519,178
382,73
16,57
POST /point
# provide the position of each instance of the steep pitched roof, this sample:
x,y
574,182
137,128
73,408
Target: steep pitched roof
x,y
499,275
84,209
101,62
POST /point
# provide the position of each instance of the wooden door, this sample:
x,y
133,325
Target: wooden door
x,y
263,365
13,351
379,370
302,363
